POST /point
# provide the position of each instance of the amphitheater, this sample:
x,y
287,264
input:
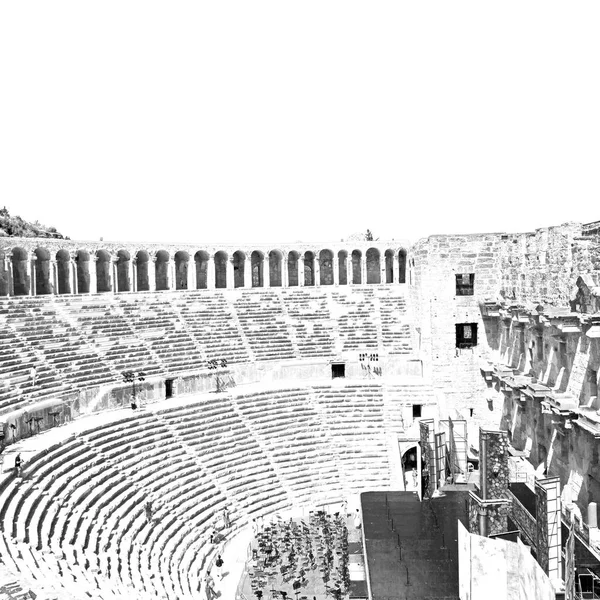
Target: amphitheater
x,y
276,380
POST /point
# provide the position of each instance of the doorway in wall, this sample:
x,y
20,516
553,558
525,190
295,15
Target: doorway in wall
x,y
338,370
168,388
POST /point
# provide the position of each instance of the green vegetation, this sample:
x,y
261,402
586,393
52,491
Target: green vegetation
x,y
18,227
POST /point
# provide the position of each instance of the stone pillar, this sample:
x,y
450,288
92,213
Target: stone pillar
x,y
248,271
211,272
171,279
113,274
132,274
317,270
229,273
93,276
73,283
395,268
363,269
191,274
266,272
349,269
301,270
336,269
8,267
54,276
31,274
284,272
152,273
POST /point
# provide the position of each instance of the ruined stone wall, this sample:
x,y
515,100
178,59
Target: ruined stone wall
x,y
434,263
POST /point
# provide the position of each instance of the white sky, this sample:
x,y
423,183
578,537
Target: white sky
x,y
307,120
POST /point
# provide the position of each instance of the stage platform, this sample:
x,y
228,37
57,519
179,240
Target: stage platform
x,y
411,547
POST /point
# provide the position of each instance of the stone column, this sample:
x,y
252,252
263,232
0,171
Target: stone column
x,y
211,273
152,273
171,279
191,274
54,276
336,269
8,267
31,272
301,270
395,268
248,271
73,284
93,276
266,272
317,270
132,274
229,273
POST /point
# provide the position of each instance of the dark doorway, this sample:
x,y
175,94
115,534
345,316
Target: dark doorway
x,y
168,388
338,370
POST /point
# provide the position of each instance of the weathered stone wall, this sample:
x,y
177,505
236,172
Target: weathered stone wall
x,y
523,520
496,458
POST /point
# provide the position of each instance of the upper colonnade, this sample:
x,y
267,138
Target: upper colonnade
x,y
34,266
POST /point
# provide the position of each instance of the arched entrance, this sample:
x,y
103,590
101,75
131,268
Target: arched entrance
x,y
43,281
402,266
161,272
292,268
326,267
373,267
221,269
201,260
343,267
182,259
410,468
143,274
123,265
63,272
239,265
389,266
103,274
356,266
21,279
275,262
257,261
82,262
309,268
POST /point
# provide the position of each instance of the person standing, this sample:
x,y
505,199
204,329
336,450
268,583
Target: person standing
x,y
211,593
219,565
226,518
357,519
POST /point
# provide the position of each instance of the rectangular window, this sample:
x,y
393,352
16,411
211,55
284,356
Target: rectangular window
x,y
417,411
466,335
338,370
464,284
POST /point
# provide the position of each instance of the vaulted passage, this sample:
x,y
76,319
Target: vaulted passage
x,y
20,267
201,260
343,267
143,274
43,284
402,266
63,272
83,263
123,269
103,271
162,270
309,268
389,266
257,260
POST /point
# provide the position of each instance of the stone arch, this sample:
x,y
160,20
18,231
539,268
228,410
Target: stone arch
x,y
43,279
292,263
373,266
343,267
142,261
402,266
182,259
257,264
356,266
123,264
389,266
275,268
63,272
5,282
221,269
239,266
201,259
161,270
309,268
326,267
20,267
82,263
103,271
